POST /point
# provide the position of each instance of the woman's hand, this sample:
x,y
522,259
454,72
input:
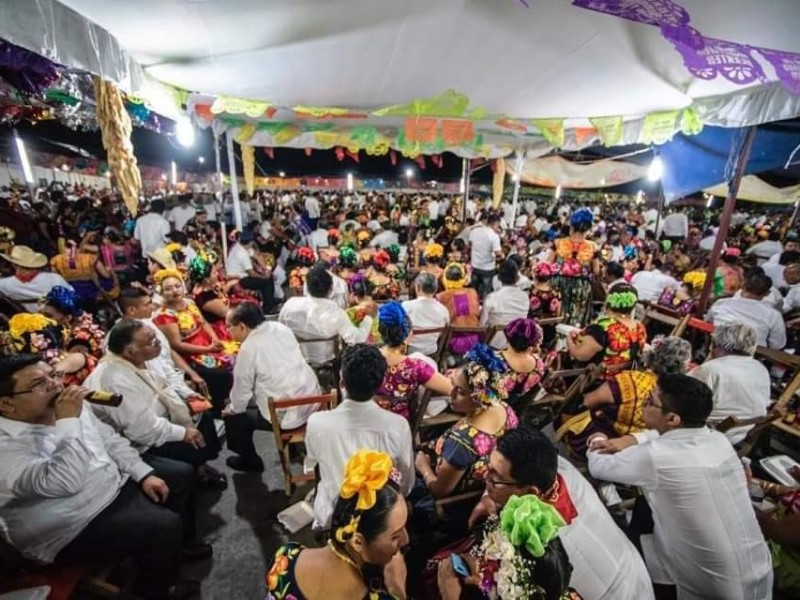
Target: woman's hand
x,y
447,580
394,576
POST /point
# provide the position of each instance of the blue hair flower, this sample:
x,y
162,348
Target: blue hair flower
x,y
583,217
64,300
486,357
393,314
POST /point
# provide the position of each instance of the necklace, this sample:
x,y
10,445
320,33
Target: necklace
x,y
343,557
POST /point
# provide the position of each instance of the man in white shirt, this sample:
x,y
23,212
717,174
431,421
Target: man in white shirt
x,y
72,490
433,212
152,229
426,312
766,321
240,266
485,250
740,383
154,414
29,283
676,226
317,316
313,209
606,565
791,243
269,365
650,284
506,304
183,213
706,540
765,250
319,237
332,436
774,270
384,238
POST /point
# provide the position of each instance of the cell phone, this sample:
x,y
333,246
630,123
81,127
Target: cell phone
x,y
459,566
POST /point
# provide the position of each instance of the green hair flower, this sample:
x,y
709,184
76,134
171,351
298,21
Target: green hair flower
x,y
622,300
530,522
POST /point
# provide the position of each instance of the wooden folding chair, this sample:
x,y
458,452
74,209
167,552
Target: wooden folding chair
x,y
549,406
481,332
441,338
655,313
331,365
284,439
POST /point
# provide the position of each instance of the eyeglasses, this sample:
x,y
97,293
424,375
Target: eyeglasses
x,y
51,380
649,402
492,479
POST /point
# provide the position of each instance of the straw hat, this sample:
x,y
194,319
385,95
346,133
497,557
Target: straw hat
x,y
23,256
163,257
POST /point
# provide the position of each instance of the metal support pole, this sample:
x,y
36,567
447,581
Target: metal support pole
x,y
237,209
218,192
467,174
725,219
464,169
517,182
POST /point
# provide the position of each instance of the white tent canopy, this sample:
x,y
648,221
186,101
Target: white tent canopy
x,y
551,60
757,190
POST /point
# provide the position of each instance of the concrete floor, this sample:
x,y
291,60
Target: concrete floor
x,y
241,523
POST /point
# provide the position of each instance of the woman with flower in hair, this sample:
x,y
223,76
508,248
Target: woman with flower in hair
x,y
730,272
616,338
362,559
405,375
40,335
577,263
346,262
209,295
519,556
433,255
615,408
524,367
362,305
456,461
297,277
463,305
81,333
191,336
385,287
85,271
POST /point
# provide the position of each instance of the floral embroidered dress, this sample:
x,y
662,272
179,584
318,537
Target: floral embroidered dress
x,y
573,281
515,385
621,344
545,303
669,299
190,324
468,448
282,584
85,332
401,383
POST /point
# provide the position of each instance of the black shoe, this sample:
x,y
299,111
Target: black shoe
x,y
237,463
183,590
192,551
216,481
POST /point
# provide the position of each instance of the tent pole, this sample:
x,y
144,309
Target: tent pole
x,y
725,219
237,209
467,174
660,206
517,183
218,192
464,179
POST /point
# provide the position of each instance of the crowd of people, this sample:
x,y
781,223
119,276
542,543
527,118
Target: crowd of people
x,y
411,305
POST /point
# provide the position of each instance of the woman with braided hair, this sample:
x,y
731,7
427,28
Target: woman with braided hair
x,y
456,461
616,339
362,559
577,263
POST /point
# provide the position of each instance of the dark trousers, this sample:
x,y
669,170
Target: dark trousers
x,y
220,382
482,281
132,526
265,287
185,453
239,432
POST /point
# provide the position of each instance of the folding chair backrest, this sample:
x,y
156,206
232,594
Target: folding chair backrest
x,y
441,337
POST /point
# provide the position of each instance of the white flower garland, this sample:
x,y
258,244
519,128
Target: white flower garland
x,y
512,579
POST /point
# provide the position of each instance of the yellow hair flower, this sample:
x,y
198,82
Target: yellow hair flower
x,y
23,323
363,235
174,247
455,284
433,250
696,278
367,472
166,273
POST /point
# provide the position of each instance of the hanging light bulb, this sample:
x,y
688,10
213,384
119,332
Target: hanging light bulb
x,y
656,169
184,132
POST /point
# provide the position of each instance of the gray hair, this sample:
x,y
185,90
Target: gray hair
x,y
735,338
121,334
668,356
427,283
